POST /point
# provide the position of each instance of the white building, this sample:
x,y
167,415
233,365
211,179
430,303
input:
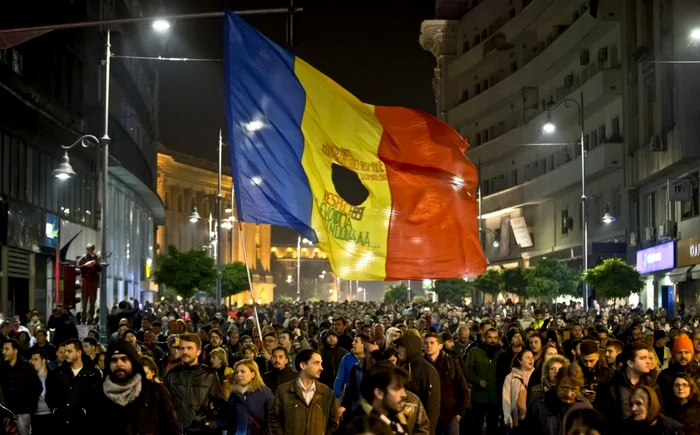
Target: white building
x,y
499,64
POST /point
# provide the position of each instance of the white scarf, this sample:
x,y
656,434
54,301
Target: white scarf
x,y
123,394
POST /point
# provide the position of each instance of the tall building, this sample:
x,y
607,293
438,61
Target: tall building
x,y
501,64
51,93
187,183
662,146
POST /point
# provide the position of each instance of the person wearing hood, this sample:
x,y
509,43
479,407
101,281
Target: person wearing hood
x,y
454,398
482,363
424,380
331,354
392,334
131,403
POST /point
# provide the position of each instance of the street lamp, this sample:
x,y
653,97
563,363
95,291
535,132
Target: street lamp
x,y
608,218
194,217
364,293
495,242
161,25
64,170
695,34
549,128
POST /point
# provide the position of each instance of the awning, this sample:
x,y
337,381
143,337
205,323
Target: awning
x,y
695,272
679,274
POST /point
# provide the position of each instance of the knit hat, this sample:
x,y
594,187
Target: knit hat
x,y
512,333
683,342
659,334
446,336
122,347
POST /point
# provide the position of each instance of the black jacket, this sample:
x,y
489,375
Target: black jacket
x,y
667,376
688,415
331,357
74,399
152,413
192,390
595,378
21,387
546,415
613,396
454,394
424,380
344,342
275,378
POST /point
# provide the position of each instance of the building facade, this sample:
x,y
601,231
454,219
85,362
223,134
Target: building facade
x,y
500,66
187,183
663,144
51,89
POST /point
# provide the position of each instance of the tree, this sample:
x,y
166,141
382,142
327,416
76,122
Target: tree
x,y
551,278
452,290
490,282
185,272
234,279
514,281
420,300
614,279
396,293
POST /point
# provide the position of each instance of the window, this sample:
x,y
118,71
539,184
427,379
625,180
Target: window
x,y
565,222
513,177
477,89
465,95
484,34
478,139
16,62
601,135
485,188
615,128
650,211
691,208
465,46
511,13
477,39
485,84
513,66
594,141
586,144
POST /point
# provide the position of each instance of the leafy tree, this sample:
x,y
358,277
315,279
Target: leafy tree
x,y
185,272
283,298
551,278
452,290
490,282
514,281
419,300
396,293
234,279
614,279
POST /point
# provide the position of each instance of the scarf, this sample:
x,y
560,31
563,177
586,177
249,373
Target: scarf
x,y
123,394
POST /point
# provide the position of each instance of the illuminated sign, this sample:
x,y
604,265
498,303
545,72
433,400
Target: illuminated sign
x,y
661,257
53,224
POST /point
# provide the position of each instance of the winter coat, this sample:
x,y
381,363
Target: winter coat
x,y
687,414
21,387
291,415
454,394
513,384
248,413
343,376
424,380
351,396
73,399
482,368
546,416
275,378
594,378
331,358
193,389
151,413
667,376
613,396
365,409
663,426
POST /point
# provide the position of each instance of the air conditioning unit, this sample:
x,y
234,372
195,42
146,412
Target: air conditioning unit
x,y
648,234
656,144
667,230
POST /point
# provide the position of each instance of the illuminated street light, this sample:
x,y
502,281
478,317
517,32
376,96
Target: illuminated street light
x,y
161,25
195,217
695,34
549,126
64,170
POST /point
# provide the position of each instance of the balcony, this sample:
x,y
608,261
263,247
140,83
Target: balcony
x,y
561,49
599,161
487,51
599,90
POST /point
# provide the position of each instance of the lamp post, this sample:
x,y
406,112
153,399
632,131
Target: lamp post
x,y
549,128
195,217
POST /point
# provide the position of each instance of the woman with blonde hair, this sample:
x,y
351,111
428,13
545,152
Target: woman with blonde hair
x,y
218,360
250,402
548,377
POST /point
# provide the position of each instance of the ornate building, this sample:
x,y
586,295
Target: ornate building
x,y
185,183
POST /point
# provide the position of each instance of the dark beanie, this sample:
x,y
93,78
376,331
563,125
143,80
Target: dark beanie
x,y
510,334
122,347
659,334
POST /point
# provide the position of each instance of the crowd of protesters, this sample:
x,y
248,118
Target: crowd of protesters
x,y
353,367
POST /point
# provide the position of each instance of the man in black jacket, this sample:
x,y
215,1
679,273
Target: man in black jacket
x,y
281,371
21,387
331,354
73,392
424,380
132,403
195,388
454,394
594,372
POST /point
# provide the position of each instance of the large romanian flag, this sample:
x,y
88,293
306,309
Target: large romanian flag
x,y
386,192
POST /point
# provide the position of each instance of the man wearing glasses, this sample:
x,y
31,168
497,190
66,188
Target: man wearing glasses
x,y
270,342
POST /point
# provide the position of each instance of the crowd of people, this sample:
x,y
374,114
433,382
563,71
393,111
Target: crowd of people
x,y
354,367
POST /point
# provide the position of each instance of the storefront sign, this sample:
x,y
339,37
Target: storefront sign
x,y
657,258
53,224
688,251
521,233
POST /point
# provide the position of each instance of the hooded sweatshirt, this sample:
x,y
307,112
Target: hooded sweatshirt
x,y
424,380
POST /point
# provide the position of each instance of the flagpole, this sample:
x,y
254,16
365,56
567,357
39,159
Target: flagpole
x,y
250,280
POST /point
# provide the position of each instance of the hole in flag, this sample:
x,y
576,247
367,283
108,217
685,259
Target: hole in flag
x,y
348,185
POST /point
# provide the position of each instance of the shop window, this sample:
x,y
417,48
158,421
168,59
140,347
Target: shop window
x,y
565,222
